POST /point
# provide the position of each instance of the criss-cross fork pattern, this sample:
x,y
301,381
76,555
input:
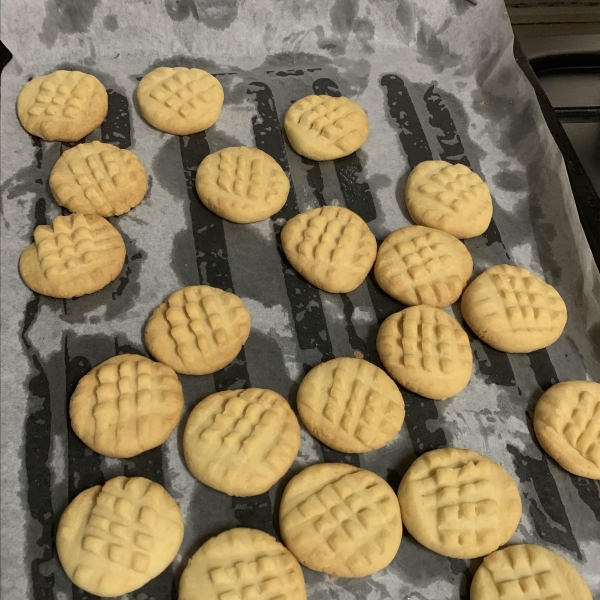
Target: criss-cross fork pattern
x,y
62,94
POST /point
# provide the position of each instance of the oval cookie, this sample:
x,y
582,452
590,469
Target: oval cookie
x,y
76,255
340,520
351,405
459,503
113,539
567,425
242,560
63,106
448,197
198,329
419,265
331,247
243,185
512,310
426,350
241,442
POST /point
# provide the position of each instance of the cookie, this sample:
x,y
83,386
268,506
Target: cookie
x,y
448,197
113,539
76,255
98,179
126,405
419,265
512,310
326,128
198,329
527,572
63,106
180,101
331,247
459,503
426,350
241,442
242,564
340,520
567,425
350,405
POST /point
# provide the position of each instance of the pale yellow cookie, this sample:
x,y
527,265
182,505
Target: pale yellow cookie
x,y
448,197
567,425
63,106
126,405
459,503
426,350
351,405
179,100
242,564
331,247
527,572
198,329
512,310
98,179
113,539
241,442
326,128
76,255
419,265
341,520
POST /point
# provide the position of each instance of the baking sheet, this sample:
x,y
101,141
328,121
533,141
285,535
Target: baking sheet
x,y
438,79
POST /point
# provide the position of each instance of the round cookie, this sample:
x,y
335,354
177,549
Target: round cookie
x,y
567,425
331,247
126,405
63,106
326,128
459,503
243,185
76,255
527,571
241,442
426,350
113,539
180,101
448,197
246,561
340,520
198,329
98,179
419,265
512,310
351,405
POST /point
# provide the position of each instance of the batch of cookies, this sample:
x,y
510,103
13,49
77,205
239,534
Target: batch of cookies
x,y
335,518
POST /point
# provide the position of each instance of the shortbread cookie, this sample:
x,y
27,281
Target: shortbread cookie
x,y
98,179
76,255
448,197
113,539
459,503
243,185
527,572
180,101
326,128
331,247
242,564
426,350
126,405
241,441
340,520
512,310
198,329
567,425
351,405
63,106
419,265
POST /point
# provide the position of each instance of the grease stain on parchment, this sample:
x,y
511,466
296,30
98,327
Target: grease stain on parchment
x,y
66,16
